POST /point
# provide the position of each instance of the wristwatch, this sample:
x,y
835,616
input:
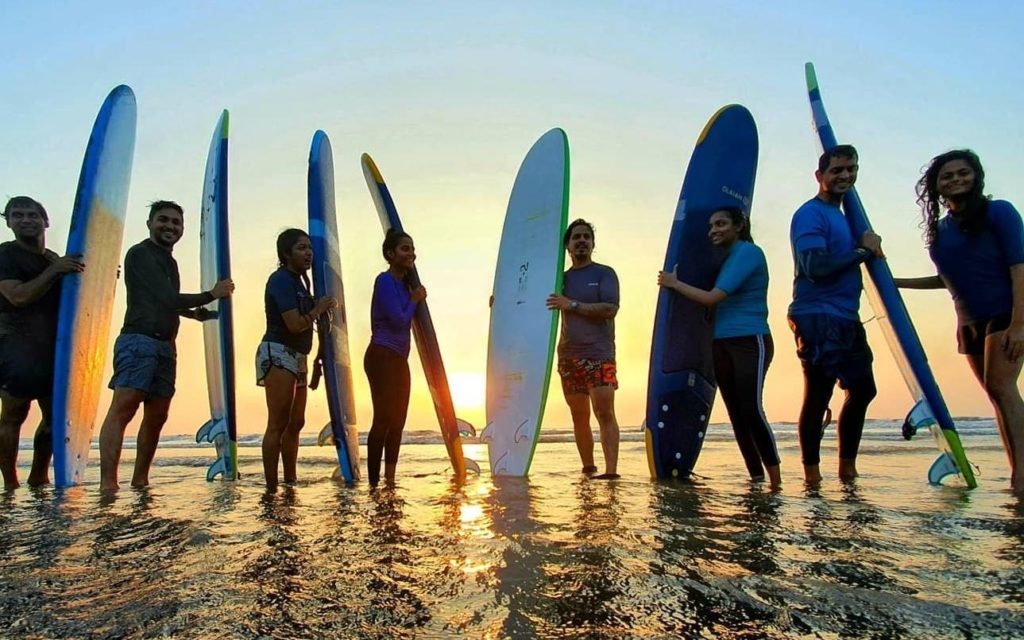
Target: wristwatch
x,y
574,305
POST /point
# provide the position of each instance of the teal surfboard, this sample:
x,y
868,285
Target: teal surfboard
x,y
522,330
87,298
218,335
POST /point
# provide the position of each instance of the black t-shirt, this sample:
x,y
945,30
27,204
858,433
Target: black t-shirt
x,y
38,319
154,298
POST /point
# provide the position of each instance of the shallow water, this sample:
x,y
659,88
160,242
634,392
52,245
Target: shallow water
x,y
552,556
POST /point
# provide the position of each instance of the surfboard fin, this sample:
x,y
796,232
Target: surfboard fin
x,y
472,466
943,466
521,435
211,429
218,468
326,436
498,467
486,436
643,426
466,430
336,474
919,416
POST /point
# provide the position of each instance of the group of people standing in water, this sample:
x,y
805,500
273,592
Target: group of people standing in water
x,y
977,248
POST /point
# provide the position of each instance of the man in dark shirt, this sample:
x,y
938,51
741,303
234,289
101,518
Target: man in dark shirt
x,y
144,354
30,276
586,349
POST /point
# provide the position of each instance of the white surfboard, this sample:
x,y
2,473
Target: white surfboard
x,y
522,330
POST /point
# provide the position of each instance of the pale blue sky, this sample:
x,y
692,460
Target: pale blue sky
x,y
448,96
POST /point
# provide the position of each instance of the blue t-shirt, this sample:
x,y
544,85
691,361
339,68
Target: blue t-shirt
x,y
391,312
582,336
821,225
286,291
744,279
976,266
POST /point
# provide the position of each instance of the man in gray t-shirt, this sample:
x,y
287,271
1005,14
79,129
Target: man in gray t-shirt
x,y
586,347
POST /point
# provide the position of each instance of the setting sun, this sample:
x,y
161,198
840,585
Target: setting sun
x,y
467,391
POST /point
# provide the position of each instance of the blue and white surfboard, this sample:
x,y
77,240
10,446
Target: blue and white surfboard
x,y
87,298
218,334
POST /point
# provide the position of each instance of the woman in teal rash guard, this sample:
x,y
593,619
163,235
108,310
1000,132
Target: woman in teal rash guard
x,y
742,346
978,251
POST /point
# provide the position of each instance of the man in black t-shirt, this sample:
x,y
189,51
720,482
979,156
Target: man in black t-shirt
x,y
145,359
30,277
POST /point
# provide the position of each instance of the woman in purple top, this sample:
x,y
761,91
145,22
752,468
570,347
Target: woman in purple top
x,y
978,251
387,358
281,366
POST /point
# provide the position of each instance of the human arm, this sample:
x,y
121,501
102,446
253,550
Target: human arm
x,y
670,280
926,282
606,307
300,322
21,294
599,310
390,301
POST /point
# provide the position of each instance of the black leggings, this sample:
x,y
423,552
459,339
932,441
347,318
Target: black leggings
x,y
740,367
819,384
388,373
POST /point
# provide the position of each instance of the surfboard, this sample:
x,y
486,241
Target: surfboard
x,y
681,381
426,337
333,335
218,335
929,409
522,330
87,298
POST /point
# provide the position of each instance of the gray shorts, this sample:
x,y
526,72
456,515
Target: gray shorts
x,y
273,354
144,364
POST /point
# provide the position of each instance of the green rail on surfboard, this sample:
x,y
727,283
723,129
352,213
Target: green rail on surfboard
x,y
929,409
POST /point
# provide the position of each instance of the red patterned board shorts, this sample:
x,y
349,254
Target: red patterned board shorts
x,y
580,375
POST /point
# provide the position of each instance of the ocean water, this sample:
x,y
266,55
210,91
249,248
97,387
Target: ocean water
x,y
552,556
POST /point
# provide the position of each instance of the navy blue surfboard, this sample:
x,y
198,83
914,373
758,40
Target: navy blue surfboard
x,y
681,385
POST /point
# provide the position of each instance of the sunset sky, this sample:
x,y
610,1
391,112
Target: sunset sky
x,y
447,97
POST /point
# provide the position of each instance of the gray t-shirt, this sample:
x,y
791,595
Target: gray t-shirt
x,y
582,336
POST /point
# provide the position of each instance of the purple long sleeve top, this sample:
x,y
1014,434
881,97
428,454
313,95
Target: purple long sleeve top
x,y
391,313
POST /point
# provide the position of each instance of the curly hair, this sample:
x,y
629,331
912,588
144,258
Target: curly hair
x,y
931,203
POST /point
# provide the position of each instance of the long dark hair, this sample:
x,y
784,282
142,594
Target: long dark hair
x,y
973,217
285,241
738,219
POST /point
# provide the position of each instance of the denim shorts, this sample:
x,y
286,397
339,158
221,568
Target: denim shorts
x,y
144,364
273,354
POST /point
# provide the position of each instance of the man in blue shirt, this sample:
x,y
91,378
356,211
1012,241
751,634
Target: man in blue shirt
x,y
824,314
586,348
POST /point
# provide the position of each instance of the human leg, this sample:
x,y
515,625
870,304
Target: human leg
x,y
818,389
724,352
154,417
603,400
122,409
400,384
375,365
279,385
1000,380
13,413
290,437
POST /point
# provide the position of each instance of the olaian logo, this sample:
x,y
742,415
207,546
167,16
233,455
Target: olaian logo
x,y
729,192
